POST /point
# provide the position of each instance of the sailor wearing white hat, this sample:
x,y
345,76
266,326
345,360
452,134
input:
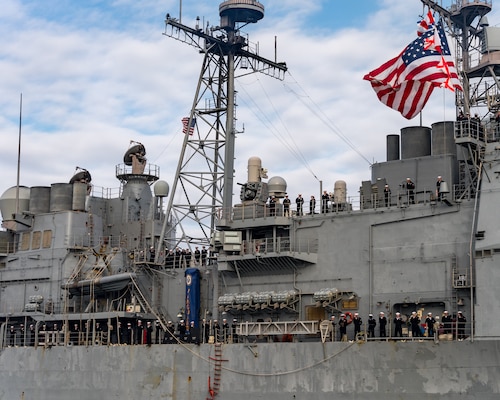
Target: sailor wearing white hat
x,y
430,321
382,322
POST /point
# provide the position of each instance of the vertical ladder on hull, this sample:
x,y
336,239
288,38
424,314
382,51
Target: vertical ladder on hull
x,y
217,359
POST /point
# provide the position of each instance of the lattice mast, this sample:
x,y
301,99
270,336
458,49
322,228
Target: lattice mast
x,y
203,184
476,61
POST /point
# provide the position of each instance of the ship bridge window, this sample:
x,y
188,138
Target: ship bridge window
x,y
47,239
36,240
25,241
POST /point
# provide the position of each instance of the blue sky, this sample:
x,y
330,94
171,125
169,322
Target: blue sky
x,y
97,74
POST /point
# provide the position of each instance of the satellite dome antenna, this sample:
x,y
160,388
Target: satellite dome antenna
x,y
234,11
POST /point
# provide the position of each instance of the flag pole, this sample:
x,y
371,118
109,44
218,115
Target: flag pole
x,y
19,153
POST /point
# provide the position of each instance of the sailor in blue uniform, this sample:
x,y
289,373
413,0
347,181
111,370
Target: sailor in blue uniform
x,y
382,322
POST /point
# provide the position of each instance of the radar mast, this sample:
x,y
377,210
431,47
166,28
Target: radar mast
x,y
203,185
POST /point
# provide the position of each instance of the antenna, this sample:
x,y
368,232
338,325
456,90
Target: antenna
x,y
19,153
203,184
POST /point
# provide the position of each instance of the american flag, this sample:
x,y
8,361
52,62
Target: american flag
x,y
406,82
185,122
425,23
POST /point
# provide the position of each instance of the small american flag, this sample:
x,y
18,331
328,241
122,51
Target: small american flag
x,y
406,82
185,122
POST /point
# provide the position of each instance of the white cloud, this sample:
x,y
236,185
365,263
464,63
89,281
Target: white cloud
x,y
89,88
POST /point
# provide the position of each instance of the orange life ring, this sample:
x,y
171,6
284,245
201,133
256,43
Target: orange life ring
x,y
348,314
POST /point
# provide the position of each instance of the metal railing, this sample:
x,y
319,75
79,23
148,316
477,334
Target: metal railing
x,y
89,333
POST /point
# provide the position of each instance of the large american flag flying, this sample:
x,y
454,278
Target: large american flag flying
x,y
406,82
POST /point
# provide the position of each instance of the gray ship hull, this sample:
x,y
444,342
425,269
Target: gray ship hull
x,y
358,370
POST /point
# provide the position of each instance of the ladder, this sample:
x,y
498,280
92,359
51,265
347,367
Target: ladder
x,y
217,359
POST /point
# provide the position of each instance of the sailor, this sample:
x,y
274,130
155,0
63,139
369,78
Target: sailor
x,y
299,201
312,205
410,188
204,254
233,330
415,325
225,330
398,325
138,332
205,326
149,332
194,336
12,335
382,322
430,321
31,334
372,323
181,328
446,320
157,332
343,327
272,206
216,328
197,256
127,334
169,259
325,198
461,325
187,256
169,334
152,254
387,195
357,321
286,206
439,195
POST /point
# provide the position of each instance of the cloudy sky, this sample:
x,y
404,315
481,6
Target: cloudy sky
x,y
96,74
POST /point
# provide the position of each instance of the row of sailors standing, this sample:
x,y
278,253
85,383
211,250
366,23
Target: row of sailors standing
x,y
132,332
430,327
80,333
209,332
184,258
127,332
327,203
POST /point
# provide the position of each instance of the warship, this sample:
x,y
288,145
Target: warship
x,y
170,291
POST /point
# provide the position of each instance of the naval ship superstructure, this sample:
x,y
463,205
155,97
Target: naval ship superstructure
x,y
108,294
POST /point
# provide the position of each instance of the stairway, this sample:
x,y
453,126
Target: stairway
x,y
143,302
78,269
